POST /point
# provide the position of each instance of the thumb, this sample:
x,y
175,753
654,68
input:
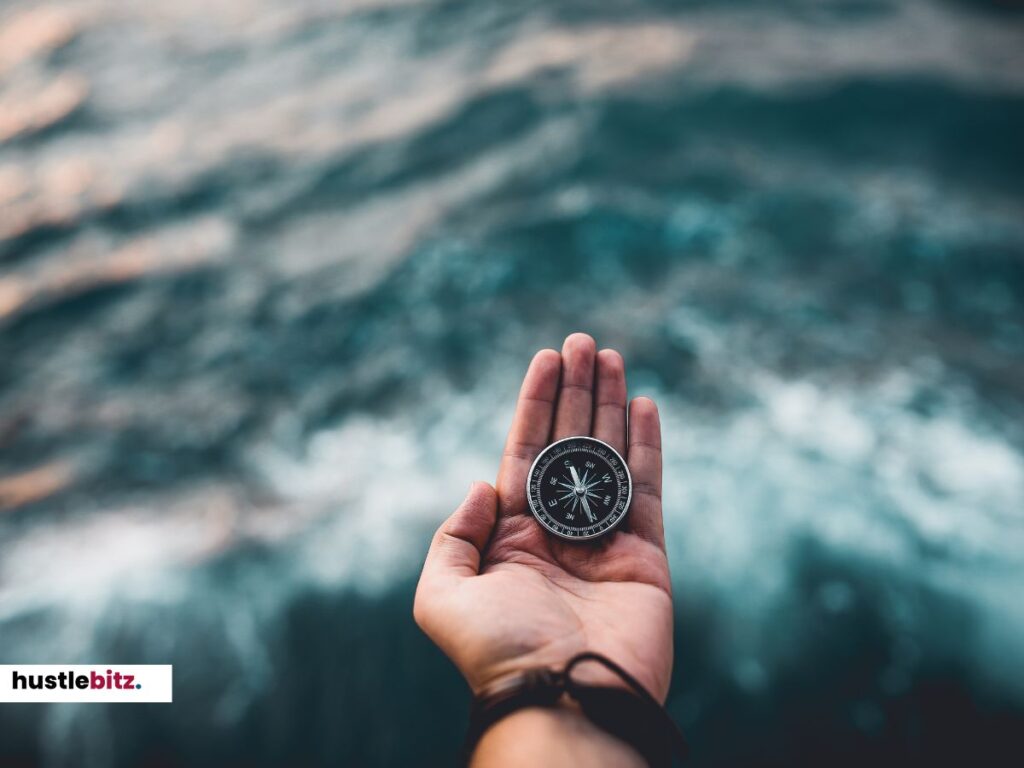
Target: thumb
x,y
460,541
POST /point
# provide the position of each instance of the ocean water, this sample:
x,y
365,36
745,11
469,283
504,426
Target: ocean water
x,y
270,273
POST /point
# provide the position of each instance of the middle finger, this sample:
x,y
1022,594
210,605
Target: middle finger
x,y
576,393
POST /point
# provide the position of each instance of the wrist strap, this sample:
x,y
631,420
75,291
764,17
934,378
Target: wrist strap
x,y
634,716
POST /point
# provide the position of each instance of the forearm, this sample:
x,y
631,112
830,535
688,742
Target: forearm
x,y
555,737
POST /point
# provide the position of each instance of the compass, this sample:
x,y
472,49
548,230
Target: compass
x,y
579,488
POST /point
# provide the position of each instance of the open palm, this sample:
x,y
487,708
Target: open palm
x,y
499,594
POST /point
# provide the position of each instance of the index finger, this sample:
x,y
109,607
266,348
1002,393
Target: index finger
x,y
530,431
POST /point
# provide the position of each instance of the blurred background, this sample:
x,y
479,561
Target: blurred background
x,y
271,272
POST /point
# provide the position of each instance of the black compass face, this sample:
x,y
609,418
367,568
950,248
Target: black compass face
x,y
579,488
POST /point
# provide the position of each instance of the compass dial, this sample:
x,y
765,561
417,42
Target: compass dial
x,y
579,488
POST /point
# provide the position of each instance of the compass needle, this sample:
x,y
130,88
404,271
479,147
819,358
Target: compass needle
x,y
586,508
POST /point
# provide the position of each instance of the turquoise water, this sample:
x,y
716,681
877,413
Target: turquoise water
x,y
243,243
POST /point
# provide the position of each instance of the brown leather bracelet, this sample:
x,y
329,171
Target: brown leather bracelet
x,y
633,715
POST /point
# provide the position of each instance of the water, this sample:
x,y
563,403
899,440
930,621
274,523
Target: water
x,y
271,273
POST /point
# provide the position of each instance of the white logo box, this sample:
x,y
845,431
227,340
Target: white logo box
x,y
121,683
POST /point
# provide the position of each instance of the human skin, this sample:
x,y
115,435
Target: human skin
x,y
498,594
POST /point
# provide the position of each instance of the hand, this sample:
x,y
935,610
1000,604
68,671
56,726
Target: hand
x,y
499,594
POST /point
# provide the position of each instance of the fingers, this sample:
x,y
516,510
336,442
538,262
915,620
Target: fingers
x,y
530,431
575,396
644,461
610,400
459,543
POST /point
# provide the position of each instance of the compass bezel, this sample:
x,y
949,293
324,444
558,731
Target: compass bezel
x,y
589,536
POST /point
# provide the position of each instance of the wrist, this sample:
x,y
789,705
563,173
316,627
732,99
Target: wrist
x,y
551,736
606,721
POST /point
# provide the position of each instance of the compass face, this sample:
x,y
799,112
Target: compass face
x,y
579,488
